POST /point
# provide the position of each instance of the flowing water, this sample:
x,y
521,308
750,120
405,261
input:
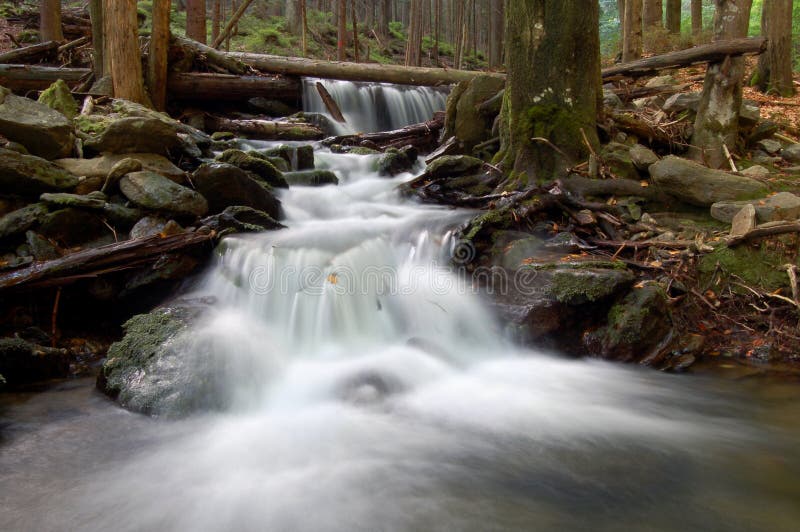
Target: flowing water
x,y
374,391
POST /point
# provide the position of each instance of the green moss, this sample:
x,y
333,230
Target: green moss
x,y
755,266
91,124
631,321
579,286
495,218
59,98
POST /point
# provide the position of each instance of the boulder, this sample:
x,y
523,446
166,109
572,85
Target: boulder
x,y
71,227
642,157
259,167
311,178
59,98
682,101
744,221
791,153
698,185
756,171
394,162
154,225
453,165
769,146
30,175
763,130
610,99
20,220
241,219
41,248
781,206
102,165
749,114
24,362
297,157
133,134
96,201
225,185
618,159
153,191
463,118
43,131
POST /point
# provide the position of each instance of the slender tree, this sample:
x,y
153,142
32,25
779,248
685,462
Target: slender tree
x,y
697,18
496,38
341,45
774,72
414,40
632,34
551,102
196,20
157,58
99,60
653,14
122,48
50,20
674,16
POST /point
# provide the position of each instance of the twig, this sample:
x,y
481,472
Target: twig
x,y
730,159
54,319
791,270
765,230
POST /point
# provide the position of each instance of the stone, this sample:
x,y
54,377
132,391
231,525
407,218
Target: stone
x,y
122,168
30,175
744,221
463,117
618,159
260,168
134,134
791,153
311,178
764,159
225,185
661,81
59,98
642,157
682,101
72,227
17,147
698,185
763,130
154,225
299,157
23,362
781,206
756,171
102,87
241,219
279,163
222,135
61,199
20,220
102,165
770,146
190,149
153,191
453,165
360,150
749,114
610,99
41,248
392,162
44,132
170,267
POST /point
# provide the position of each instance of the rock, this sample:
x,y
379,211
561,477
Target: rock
x,y
610,99
642,157
225,185
241,219
744,221
23,362
44,132
682,101
698,185
791,153
74,227
40,247
360,150
17,147
222,135
169,267
660,81
297,157
463,118
781,206
749,114
59,98
122,168
153,191
103,165
618,158
94,201
756,171
311,178
30,175
638,328
154,225
278,162
103,86
134,134
392,162
763,130
770,146
273,108
261,169
453,165
761,158
20,220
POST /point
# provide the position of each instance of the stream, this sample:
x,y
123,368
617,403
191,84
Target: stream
x,y
373,390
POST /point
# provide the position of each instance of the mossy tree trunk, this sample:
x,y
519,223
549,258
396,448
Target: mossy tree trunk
x,y
553,88
774,72
717,122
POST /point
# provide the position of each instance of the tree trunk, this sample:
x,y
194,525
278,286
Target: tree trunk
x,y
50,20
383,19
674,16
717,122
123,50
774,72
437,8
354,16
157,59
196,20
216,17
414,41
341,43
653,14
632,34
697,18
205,87
99,60
551,101
496,40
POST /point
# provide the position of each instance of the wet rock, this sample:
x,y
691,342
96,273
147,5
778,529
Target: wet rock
x,y
791,153
698,185
40,247
642,157
463,118
225,185
153,191
393,162
59,98
169,267
261,169
20,220
770,146
453,165
23,362
30,175
222,135
278,162
311,178
781,206
73,227
744,221
297,157
361,150
240,219
94,201
102,165
154,225
269,107
618,158
44,132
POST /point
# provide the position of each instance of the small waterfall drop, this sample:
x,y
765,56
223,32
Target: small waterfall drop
x,y
369,107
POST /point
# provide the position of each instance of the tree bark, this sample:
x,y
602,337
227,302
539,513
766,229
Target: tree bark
x,y
50,20
632,34
123,50
354,16
774,72
697,18
195,86
717,121
674,16
341,43
414,40
265,129
99,60
157,59
496,40
29,54
196,20
553,89
216,16
653,14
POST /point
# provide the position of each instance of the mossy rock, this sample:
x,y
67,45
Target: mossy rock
x,y
59,98
454,165
588,284
758,267
262,169
618,158
23,362
29,175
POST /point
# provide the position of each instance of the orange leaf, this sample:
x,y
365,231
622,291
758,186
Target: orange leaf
x,y
332,278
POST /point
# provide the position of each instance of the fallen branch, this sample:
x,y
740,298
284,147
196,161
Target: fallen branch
x,y
427,131
29,53
265,129
763,230
330,103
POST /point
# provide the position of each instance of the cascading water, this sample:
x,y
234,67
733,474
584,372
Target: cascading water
x,y
373,391
369,107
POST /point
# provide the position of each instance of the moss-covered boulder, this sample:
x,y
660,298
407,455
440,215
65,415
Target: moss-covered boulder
x,y
43,131
23,362
260,168
20,220
618,159
29,175
453,165
464,118
59,98
394,162
153,191
225,185
102,165
311,178
299,157
241,219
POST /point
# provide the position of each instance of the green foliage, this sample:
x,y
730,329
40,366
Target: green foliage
x,y
396,30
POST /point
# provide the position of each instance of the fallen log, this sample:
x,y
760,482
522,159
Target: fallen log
x,y
264,129
96,261
330,103
705,53
415,134
653,135
29,77
628,94
296,66
30,53
226,87
210,55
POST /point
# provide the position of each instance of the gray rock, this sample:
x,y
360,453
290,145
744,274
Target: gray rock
x,y
682,101
660,81
618,159
763,130
134,134
153,225
122,168
102,165
698,185
17,147
781,206
61,199
21,220
259,167
30,175
744,221
225,185
41,248
642,157
24,362
311,178
75,227
43,131
392,162
297,157
791,153
749,114
453,165
756,171
153,191
241,219
610,99
770,146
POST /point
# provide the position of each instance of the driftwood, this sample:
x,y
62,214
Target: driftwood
x,y
416,135
97,261
30,53
265,129
706,53
330,103
211,56
225,87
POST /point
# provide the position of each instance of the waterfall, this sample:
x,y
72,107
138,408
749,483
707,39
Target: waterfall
x,y
369,107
